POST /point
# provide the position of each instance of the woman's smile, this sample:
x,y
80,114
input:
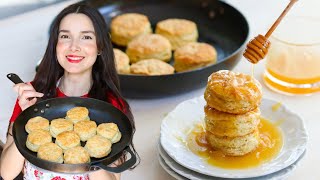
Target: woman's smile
x,y
74,58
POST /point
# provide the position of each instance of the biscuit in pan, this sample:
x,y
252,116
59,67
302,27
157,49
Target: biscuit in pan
x,y
67,140
149,46
231,125
109,131
151,67
178,31
37,122
60,125
77,114
76,155
98,146
194,55
85,129
232,92
235,146
37,138
127,26
50,152
122,61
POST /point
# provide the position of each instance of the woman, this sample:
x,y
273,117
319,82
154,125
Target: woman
x,y
78,61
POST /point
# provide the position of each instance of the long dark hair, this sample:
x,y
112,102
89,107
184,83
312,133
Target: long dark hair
x,y
104,74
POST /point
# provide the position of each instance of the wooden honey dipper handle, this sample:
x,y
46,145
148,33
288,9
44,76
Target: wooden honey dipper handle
x,y
276,23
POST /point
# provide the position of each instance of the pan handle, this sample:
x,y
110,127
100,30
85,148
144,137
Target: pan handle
x,y
124,166
14,78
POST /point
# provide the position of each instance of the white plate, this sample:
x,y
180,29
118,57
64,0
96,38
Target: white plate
x,y
180,172
188,113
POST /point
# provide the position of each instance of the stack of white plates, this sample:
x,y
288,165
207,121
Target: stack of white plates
x,y
181,163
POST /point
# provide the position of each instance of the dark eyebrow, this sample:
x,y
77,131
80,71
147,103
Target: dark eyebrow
x,y
66,31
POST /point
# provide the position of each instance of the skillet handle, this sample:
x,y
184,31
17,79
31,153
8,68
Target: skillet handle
x,y
14,78
126,165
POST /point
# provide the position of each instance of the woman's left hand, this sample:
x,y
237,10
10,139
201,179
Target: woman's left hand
x,y
27,95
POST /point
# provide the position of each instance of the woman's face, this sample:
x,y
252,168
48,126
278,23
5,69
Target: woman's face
x,y
76,48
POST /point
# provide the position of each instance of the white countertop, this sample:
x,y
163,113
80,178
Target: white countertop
x,y
24,38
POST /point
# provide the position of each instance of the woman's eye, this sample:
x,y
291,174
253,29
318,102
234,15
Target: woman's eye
x,y
64,36
87,37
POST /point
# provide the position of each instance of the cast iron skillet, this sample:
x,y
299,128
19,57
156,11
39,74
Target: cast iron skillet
x,y
219,24
99,111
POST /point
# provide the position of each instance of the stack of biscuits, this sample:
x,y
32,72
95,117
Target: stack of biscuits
x,y
68,133
149,53
232,112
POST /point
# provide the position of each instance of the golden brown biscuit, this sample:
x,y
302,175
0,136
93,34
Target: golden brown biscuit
x,y
178,31
37,122
77,114
109,131
234,146
194,55
150,46
50,152
36,138
151,67
231,92
127,26
85,129
76,155
122,61
60,125
67,140
98,146
231,125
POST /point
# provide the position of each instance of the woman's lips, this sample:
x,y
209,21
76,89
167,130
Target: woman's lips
x,y
74,59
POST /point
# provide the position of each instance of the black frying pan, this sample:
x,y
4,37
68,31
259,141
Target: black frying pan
x,y
219,24
99,111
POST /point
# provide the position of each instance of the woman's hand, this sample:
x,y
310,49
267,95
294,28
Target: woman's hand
x,y
27,95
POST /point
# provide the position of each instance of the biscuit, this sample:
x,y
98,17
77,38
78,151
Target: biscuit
x,y
76,155
109,131
194,55
50,152
178,31
122,61
234,146
37,122
151,67
232,92
67,140
60,125
77,114
85,129
37,138
127,26
150,46
98,146
231,125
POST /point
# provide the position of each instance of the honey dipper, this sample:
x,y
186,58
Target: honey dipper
x,y
258,47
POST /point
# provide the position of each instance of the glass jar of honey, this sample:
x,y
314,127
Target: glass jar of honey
x,y
293,60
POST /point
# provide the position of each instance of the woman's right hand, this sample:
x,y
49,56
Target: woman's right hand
x,y
27,95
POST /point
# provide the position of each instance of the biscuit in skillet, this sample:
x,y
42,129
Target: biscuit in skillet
x,y
76,155
149,46
126,27
109,131
37,138
98,146
194,55
85,129
151,67
60,125
178,31
122,61
67,140
37,122
77,114
232,92
50,152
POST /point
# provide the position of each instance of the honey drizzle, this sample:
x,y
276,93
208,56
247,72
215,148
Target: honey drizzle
x,y
270,145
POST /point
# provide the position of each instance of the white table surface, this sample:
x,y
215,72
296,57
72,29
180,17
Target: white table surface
x,y
23,40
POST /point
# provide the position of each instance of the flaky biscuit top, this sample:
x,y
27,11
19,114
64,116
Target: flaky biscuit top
x,y
177,26
149,43
77,113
